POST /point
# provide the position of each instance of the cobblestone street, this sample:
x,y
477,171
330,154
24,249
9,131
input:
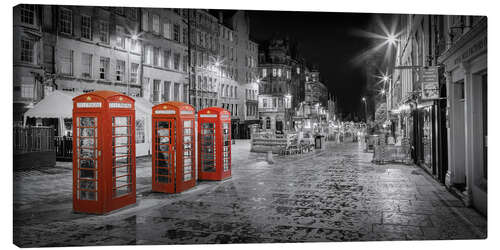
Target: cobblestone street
x,y
334,194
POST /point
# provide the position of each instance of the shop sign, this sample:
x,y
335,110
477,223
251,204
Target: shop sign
x,y
430,83
120,105
88,104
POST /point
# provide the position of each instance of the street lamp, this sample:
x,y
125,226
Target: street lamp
x,y
366,109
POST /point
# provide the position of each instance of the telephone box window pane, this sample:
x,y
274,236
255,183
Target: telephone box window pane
x,y
187,124
88,174
88,185
120,141
87,142
87,132
163,125
87,164
121,131
187,146
122,151
187,131
120,121
187,139
87,153
163,132
87,195
88,122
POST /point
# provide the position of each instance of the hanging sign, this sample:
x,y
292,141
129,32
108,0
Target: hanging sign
x,y
430,83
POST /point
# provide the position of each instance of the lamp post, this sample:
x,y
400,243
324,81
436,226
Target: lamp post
x,y
366,109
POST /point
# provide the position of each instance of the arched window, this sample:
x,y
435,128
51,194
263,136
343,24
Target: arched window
x,y
268,123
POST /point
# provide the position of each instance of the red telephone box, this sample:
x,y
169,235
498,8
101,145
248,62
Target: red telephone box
x,y
103,152
214,144
173,147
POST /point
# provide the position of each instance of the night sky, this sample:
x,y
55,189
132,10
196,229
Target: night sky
x,y
327,40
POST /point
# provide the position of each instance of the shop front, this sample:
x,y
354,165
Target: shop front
x,y
466,83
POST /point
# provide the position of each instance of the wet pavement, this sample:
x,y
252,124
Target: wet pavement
x,y
334,194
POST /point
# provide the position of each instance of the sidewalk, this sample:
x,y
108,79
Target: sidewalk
x,y
46,194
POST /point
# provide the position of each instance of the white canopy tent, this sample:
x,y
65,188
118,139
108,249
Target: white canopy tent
x,y
59,104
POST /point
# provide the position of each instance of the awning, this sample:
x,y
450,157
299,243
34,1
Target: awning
x,y
59,104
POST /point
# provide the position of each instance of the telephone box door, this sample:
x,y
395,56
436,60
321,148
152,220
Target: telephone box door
x,y
88,173
164,155
186,178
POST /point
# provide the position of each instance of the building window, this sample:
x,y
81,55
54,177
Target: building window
x,y
156,90
66,62
177,87
86,29
167,30
86,65
298,71
120,39
176,32
103,32
104,68
27,91
145,21
27,50
134,71
156,24
268,123
177,58
148,57
184,35
132,13
264,72
279,72
156,56
134,45
166,59
66,21
28,14
166,91
185,64
288,74
274,72
120,70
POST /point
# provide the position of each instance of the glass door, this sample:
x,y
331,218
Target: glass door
x,y
87,158
226,138
122,158
164,158
208,147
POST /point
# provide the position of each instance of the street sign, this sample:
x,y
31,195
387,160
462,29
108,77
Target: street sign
x,y
430,83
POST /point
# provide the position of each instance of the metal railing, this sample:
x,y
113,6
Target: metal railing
x,y
64,148
33,139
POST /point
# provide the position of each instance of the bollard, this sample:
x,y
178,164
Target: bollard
x,y
270,157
